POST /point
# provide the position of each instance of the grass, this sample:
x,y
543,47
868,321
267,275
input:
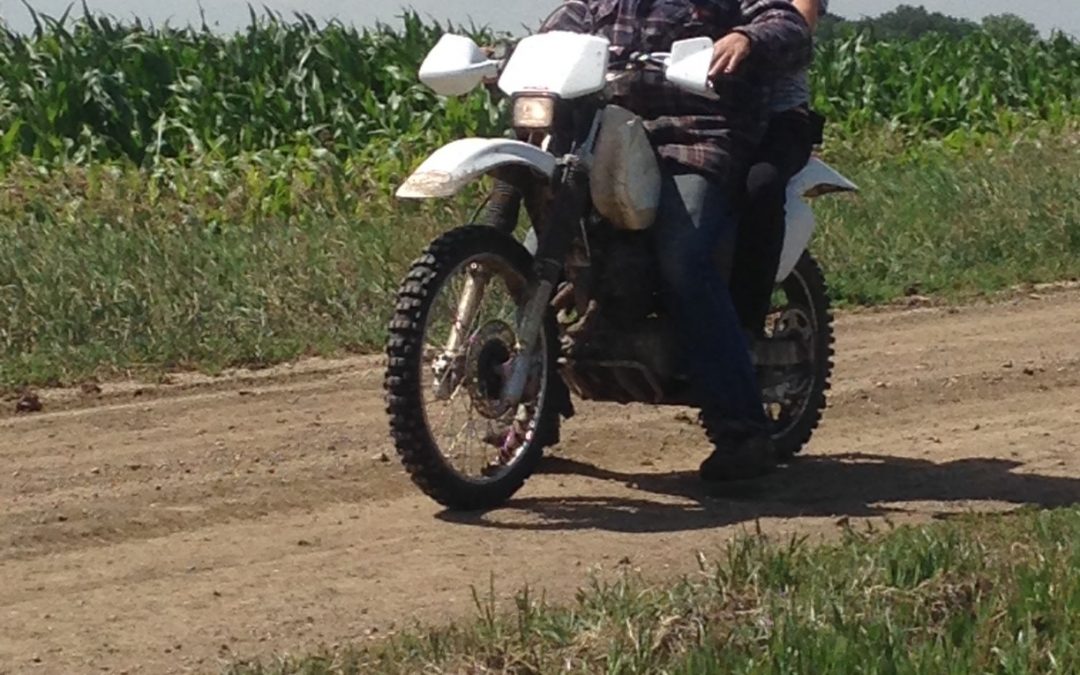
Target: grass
x,y
176,198
951,222
110,269
985,594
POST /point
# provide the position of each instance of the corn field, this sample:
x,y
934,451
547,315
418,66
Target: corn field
x,y
98,90
93,89
936,85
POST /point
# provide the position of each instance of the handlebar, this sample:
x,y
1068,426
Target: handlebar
x,y
644,60
635,61
619,67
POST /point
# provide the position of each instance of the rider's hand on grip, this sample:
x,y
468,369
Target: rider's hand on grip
x,y
729,53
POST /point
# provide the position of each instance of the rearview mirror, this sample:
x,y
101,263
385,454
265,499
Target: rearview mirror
x,y
689,65
456,66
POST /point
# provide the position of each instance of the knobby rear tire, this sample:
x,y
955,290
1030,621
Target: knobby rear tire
x,y
807,286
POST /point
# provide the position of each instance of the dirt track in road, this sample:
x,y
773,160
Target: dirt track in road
x,y
175,529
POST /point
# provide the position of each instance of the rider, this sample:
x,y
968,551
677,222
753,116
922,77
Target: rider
x,y
793,131
706,146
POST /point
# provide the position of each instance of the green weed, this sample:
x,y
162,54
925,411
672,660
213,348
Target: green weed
x,y
111,269
986,594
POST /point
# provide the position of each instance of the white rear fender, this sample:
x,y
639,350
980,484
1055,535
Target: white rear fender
x,y
454,166
816,179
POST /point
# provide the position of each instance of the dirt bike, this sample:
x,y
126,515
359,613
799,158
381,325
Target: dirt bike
x,y
488,337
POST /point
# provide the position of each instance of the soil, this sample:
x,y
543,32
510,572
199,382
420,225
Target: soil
x,y
182,526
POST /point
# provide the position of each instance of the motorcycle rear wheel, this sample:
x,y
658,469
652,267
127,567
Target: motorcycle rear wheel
x,y
808,313
483,462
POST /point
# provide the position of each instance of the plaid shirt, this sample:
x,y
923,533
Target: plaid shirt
x,y
713,137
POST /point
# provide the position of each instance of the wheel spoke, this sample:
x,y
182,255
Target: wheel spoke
x,y
468,420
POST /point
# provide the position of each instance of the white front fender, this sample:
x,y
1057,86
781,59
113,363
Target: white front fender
x,y
454,166
816,179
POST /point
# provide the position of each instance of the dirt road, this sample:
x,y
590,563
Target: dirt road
x,y
177,528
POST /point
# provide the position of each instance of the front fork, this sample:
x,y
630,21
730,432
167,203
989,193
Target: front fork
x,y
501,213
468,306
559,225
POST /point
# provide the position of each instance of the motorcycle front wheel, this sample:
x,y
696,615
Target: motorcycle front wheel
x,y
451,347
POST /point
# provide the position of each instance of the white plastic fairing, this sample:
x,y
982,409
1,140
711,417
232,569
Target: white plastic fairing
x,y
800,230
454,166
568,65
682,49
689,65
456,66
817,178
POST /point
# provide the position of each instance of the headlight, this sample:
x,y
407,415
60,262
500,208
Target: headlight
x,y
534,112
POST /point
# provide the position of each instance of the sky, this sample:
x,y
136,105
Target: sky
x,y
504,14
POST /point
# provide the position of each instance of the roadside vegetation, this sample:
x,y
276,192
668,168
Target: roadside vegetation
x,y
175,198
987,594
96,90
260,259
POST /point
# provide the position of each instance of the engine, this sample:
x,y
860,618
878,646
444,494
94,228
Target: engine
x,y
627,280
627,322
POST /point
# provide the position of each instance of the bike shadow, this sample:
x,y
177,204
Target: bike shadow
x,y
853,485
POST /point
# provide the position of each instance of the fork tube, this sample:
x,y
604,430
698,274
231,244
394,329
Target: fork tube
x,y
468,305
555,241
530,335
503,209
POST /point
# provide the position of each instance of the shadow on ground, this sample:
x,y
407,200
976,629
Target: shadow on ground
x,y
851,485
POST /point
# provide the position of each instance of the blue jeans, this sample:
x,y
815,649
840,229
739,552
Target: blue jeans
x,y
695,219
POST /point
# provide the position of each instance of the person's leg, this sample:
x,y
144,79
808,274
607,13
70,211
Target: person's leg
x,y
759,246
783,153
695,217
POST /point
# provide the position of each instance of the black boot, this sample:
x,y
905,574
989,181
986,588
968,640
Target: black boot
x,y
548,435
740,453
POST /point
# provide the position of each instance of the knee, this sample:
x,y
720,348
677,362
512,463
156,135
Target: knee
x,y
765,181
685,264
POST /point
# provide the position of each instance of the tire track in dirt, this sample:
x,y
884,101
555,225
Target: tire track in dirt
x,y
177,529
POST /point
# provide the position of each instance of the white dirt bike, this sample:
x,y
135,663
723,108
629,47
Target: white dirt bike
x,y
489,338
